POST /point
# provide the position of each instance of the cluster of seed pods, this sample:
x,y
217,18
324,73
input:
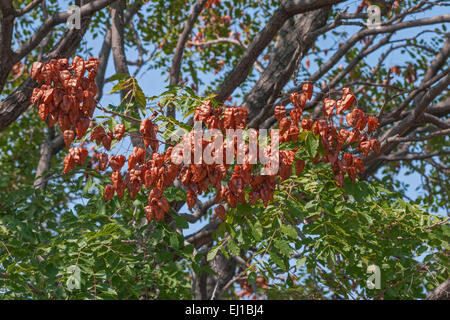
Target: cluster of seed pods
x,y
333,141
67,97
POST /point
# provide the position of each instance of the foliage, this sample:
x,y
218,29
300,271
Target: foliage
x,y
315,240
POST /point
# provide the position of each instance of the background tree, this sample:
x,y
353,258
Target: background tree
x,y
314,240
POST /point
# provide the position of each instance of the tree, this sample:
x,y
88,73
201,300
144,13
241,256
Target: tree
x,y
323,221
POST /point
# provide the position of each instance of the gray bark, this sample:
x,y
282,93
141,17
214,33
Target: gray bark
x,y
292,44
441,293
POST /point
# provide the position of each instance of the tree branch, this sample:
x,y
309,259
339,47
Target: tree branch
x,y
287,9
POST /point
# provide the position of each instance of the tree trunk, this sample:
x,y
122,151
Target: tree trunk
x,y
441,293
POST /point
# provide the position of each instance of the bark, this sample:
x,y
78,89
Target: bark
x,y
178,56
291,45
441,293
103,58
6,54
286,10
117,40
49,147
105,51
175,70
207,286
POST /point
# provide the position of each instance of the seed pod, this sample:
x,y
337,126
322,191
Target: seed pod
x,y
231,199
315,128
240,117
148,210
285,124
66,104
354,116
203,112
296,114
361,123
228,118
116,179
293,133
43,111
191,198
364,146
298,100
120,190
307,124
352,173
359,164
116,162
145,127
280,112
375,145
372,124
132,162
106,141
139,154
348,100
64,121
109,193
348,159
308,90
328,107
36,68
103,161
97,134
119,131
164,204
36,95
82,126
343,134
299,166
68,137
74,114
68,163
219,212
353,136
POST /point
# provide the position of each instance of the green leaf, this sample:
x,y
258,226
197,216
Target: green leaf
x,y
256,230
234,249
118,76
174,241
289,231
252,278
300,262
283,246
312,144
181,222
278,260
213,252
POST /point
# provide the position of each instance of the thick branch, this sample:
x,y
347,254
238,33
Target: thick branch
x,y
49,147
178,55
262,40
61,17
442,292
291,45
179,50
